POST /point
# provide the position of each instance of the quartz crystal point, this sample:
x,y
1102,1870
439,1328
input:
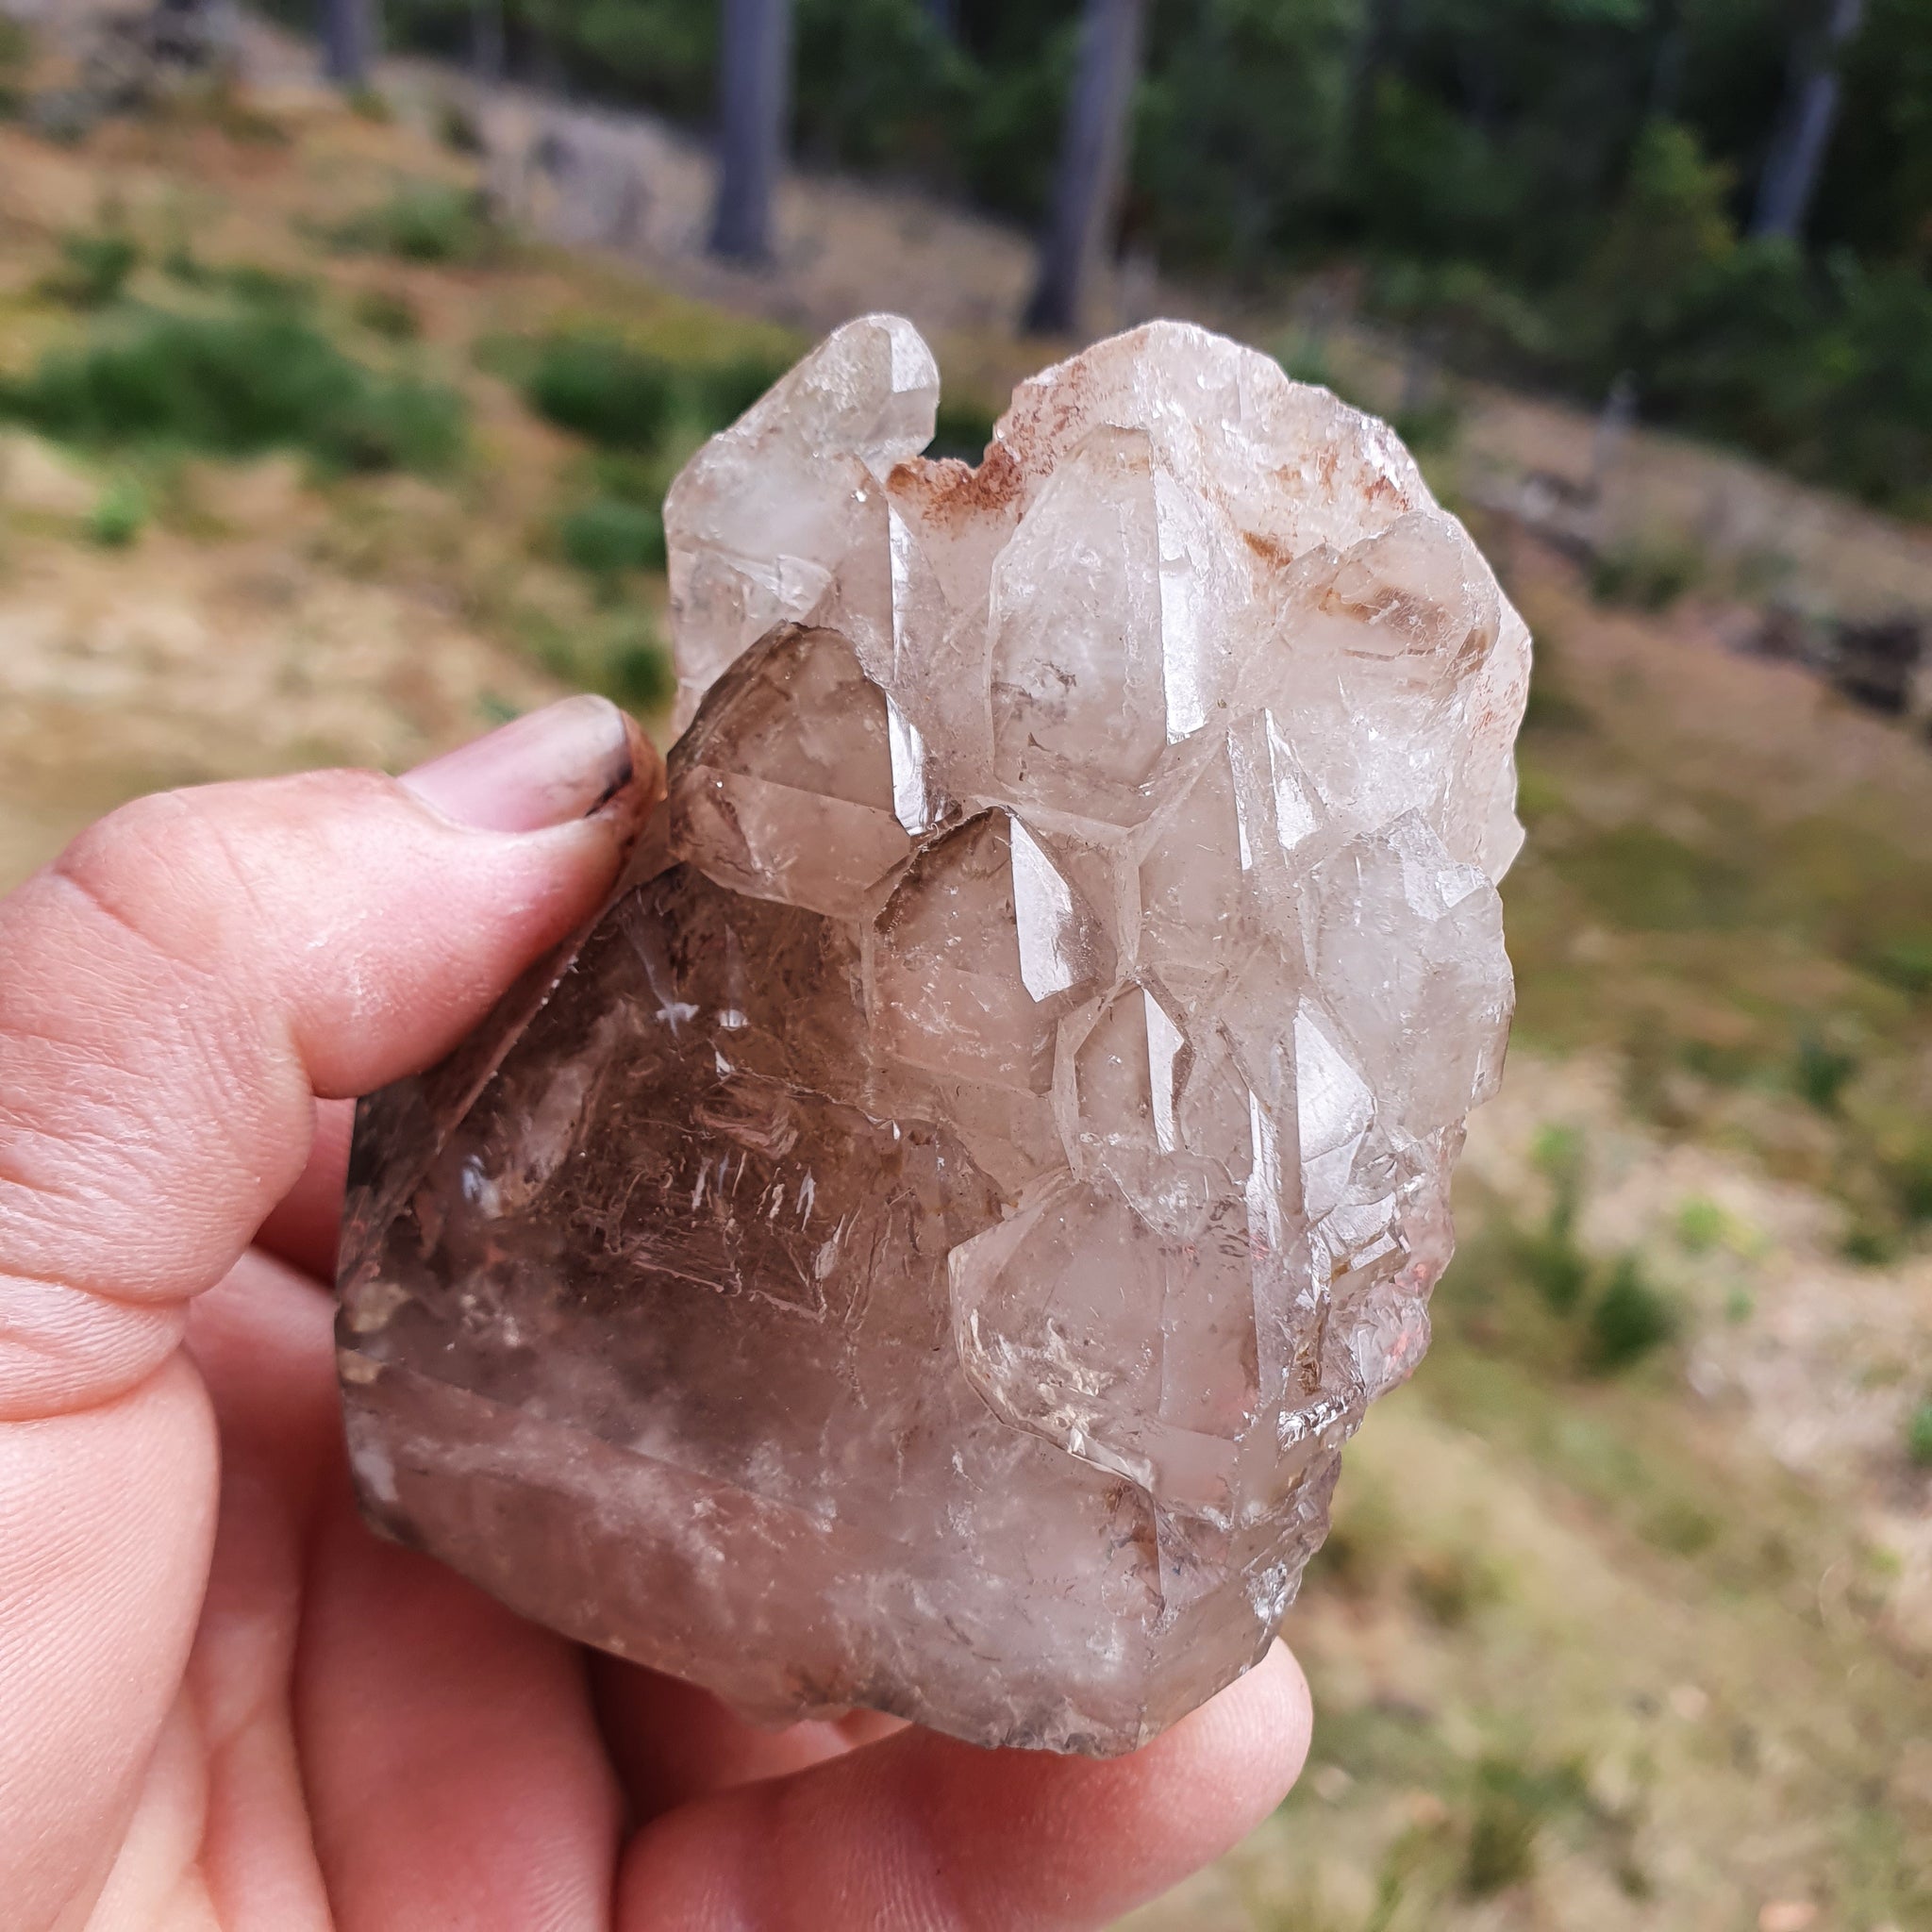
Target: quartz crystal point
x,y
926,1244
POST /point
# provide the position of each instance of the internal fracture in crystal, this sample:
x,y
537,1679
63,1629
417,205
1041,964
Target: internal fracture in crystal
x,y
925,1246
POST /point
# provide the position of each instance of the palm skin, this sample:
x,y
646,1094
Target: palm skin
x,y
223,1702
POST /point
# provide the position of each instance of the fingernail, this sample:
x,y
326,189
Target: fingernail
x,y
546,769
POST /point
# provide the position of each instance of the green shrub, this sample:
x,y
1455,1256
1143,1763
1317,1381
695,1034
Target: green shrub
x,y
724,390
1870,1246
616,652
120,515
638,672
457,128
1919,1435
1649,574
1628,1320
1701,1224
390,314
964,430
1822,1073
1511,1803
608,536
627,400
1909,1175
233,386
1906,963
246,282
16,49
1551,1258
423,223
93,269
602,389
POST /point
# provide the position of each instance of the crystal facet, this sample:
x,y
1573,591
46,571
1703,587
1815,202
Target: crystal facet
x,y
925,1246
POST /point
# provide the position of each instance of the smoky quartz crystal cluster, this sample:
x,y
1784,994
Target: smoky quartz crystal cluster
x,y
925,1246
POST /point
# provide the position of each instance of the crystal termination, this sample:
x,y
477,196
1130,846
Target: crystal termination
x,y
925,1246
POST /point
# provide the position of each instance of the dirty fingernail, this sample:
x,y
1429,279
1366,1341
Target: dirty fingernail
x,y
545,769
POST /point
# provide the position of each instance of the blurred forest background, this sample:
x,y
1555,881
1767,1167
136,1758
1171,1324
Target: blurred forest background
x,y
345,354
1556,190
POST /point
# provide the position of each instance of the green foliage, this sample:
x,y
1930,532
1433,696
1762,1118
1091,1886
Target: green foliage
x,y
1701,1224
1645,880
606,536
16,50
638,670
93,269
1919,1435
1628,1320
120,516
1556,1265
1513,1802
1649,573
1909,1175
599,388
244,282
235,385
390,314
1822,1073
1670,229
1554,190
1906,962
963,430
628,401
616,653
423,223
457,128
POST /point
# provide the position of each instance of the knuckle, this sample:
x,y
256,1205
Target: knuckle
x,y
181,869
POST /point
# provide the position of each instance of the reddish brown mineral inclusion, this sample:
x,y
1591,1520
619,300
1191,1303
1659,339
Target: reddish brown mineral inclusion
x,y
925,1246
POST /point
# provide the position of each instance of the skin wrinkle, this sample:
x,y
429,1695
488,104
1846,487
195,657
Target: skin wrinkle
x,y
351,1716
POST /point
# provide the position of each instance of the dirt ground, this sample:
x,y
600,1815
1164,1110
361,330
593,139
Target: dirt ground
x,y
1643,1651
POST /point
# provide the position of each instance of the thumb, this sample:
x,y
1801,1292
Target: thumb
x,y
180,985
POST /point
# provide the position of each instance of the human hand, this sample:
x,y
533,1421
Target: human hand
x,y
223,1701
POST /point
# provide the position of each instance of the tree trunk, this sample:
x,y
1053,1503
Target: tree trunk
x,y
754,108
486,38
1093,164
1797,154
348,40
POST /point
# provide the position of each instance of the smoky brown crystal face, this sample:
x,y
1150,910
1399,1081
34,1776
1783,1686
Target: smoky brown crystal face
x,y
925,1246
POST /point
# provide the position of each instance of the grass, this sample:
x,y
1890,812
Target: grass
x,y
600,389
247,283
1647,572
623,398
237,385
16,50
120,516
424,222
618,653
93,269
964,428
388,313
1628,1319
1761,975
607,536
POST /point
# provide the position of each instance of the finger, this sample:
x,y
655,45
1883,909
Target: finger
x,y
485,785
672,1741
453,1765
193,970
305,1226
179,985
922,1831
